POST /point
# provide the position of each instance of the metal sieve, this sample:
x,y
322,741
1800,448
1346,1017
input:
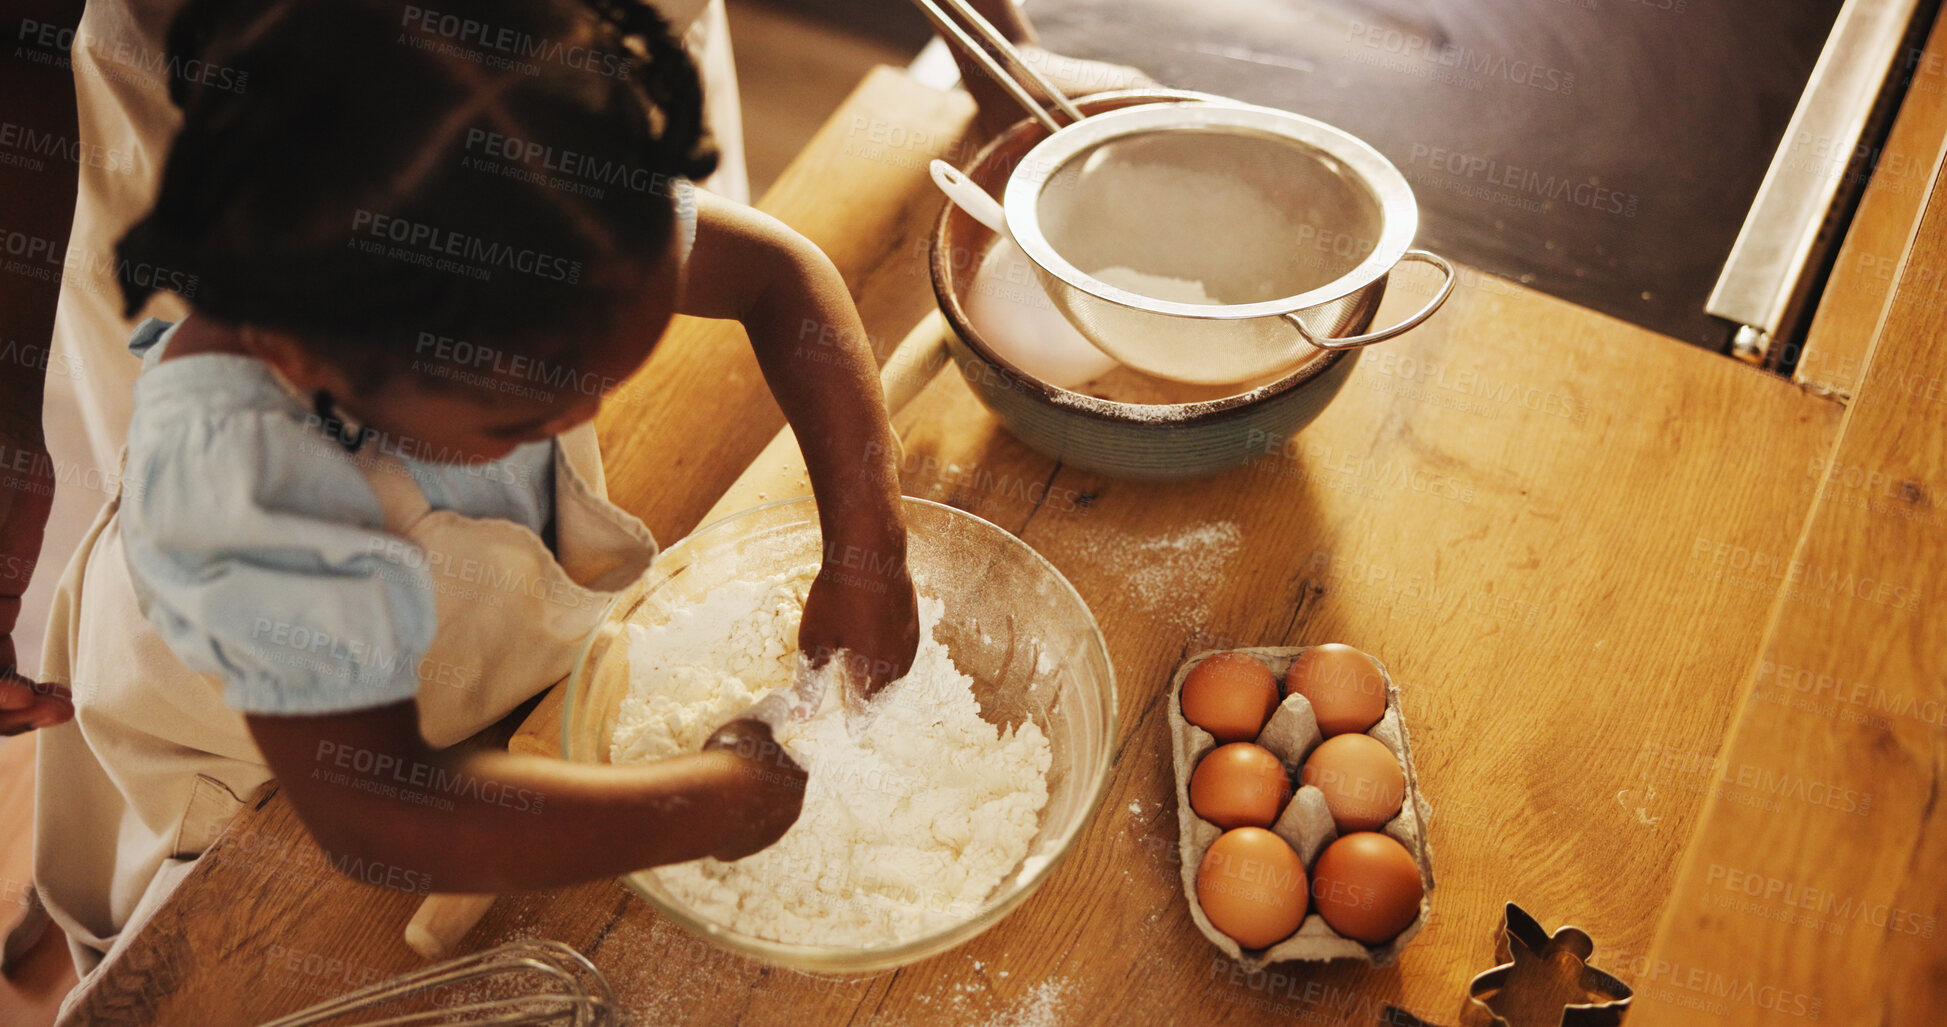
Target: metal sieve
x,y
1206,242
1214,242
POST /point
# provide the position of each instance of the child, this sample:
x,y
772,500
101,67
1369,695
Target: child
x,y
363,513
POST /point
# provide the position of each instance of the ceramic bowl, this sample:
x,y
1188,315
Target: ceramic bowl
x,y
1125,424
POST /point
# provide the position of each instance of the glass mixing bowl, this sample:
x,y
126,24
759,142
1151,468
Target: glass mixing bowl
x,y
1007,611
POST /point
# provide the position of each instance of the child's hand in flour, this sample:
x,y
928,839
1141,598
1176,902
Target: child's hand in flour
x,y
870,613
773,792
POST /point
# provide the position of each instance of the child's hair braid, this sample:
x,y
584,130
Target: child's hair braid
x,y
380,172
669,78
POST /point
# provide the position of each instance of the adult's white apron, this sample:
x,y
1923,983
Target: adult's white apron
x,y
154,765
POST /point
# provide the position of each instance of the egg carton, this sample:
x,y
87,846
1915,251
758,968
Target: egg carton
x,y
1306,825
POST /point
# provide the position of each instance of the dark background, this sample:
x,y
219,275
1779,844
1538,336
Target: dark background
x,y
1603,151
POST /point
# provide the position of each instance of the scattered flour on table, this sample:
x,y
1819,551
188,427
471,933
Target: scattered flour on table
x,y
1170,576
1041,1007
914,810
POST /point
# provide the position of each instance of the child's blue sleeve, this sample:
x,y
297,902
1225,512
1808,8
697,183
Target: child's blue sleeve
x,y
259,554
686,215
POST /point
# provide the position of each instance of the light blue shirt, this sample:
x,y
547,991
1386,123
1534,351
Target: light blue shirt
x,y
258,550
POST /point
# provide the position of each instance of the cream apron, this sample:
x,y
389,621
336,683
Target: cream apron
x,y
154,765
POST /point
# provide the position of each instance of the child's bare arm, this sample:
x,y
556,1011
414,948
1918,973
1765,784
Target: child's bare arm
x,y
819,364
369,788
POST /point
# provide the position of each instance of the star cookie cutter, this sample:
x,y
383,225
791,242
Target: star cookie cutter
x,y
1543,980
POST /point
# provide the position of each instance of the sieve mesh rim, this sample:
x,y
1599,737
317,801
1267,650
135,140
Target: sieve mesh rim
x,y
1398,209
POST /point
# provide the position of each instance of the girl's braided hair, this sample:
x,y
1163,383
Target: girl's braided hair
x,y
382,172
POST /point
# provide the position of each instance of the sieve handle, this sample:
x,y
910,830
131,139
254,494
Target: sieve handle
x,y
1356,341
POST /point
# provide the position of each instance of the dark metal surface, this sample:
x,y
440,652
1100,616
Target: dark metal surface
x,y
1603,151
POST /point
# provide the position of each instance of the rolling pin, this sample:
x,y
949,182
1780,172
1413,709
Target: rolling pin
x,y
443,918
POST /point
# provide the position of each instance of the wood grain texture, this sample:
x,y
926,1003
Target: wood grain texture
x,y
1503,506
1816,884
1507,505
1859,289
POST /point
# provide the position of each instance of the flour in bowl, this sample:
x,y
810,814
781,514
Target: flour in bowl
x,y
915,808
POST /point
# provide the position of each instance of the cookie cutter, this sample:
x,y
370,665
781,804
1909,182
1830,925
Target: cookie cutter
x,y
1538,973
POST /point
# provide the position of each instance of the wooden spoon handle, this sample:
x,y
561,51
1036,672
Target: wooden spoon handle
x,y
442,920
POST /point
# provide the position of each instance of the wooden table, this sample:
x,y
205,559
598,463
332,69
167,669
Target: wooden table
x,y
1565,535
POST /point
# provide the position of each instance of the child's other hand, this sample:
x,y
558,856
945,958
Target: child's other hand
x,y
26,704
774,788
871,614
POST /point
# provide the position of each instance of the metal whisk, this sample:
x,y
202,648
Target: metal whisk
x,y
558,986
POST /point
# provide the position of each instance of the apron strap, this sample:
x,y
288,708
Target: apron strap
x,y
401,500
580,450
599,544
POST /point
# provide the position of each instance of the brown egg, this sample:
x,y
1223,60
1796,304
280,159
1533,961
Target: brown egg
x,y
1344,686
1361,779
1252,887
1240,785
1230,695
1367,887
